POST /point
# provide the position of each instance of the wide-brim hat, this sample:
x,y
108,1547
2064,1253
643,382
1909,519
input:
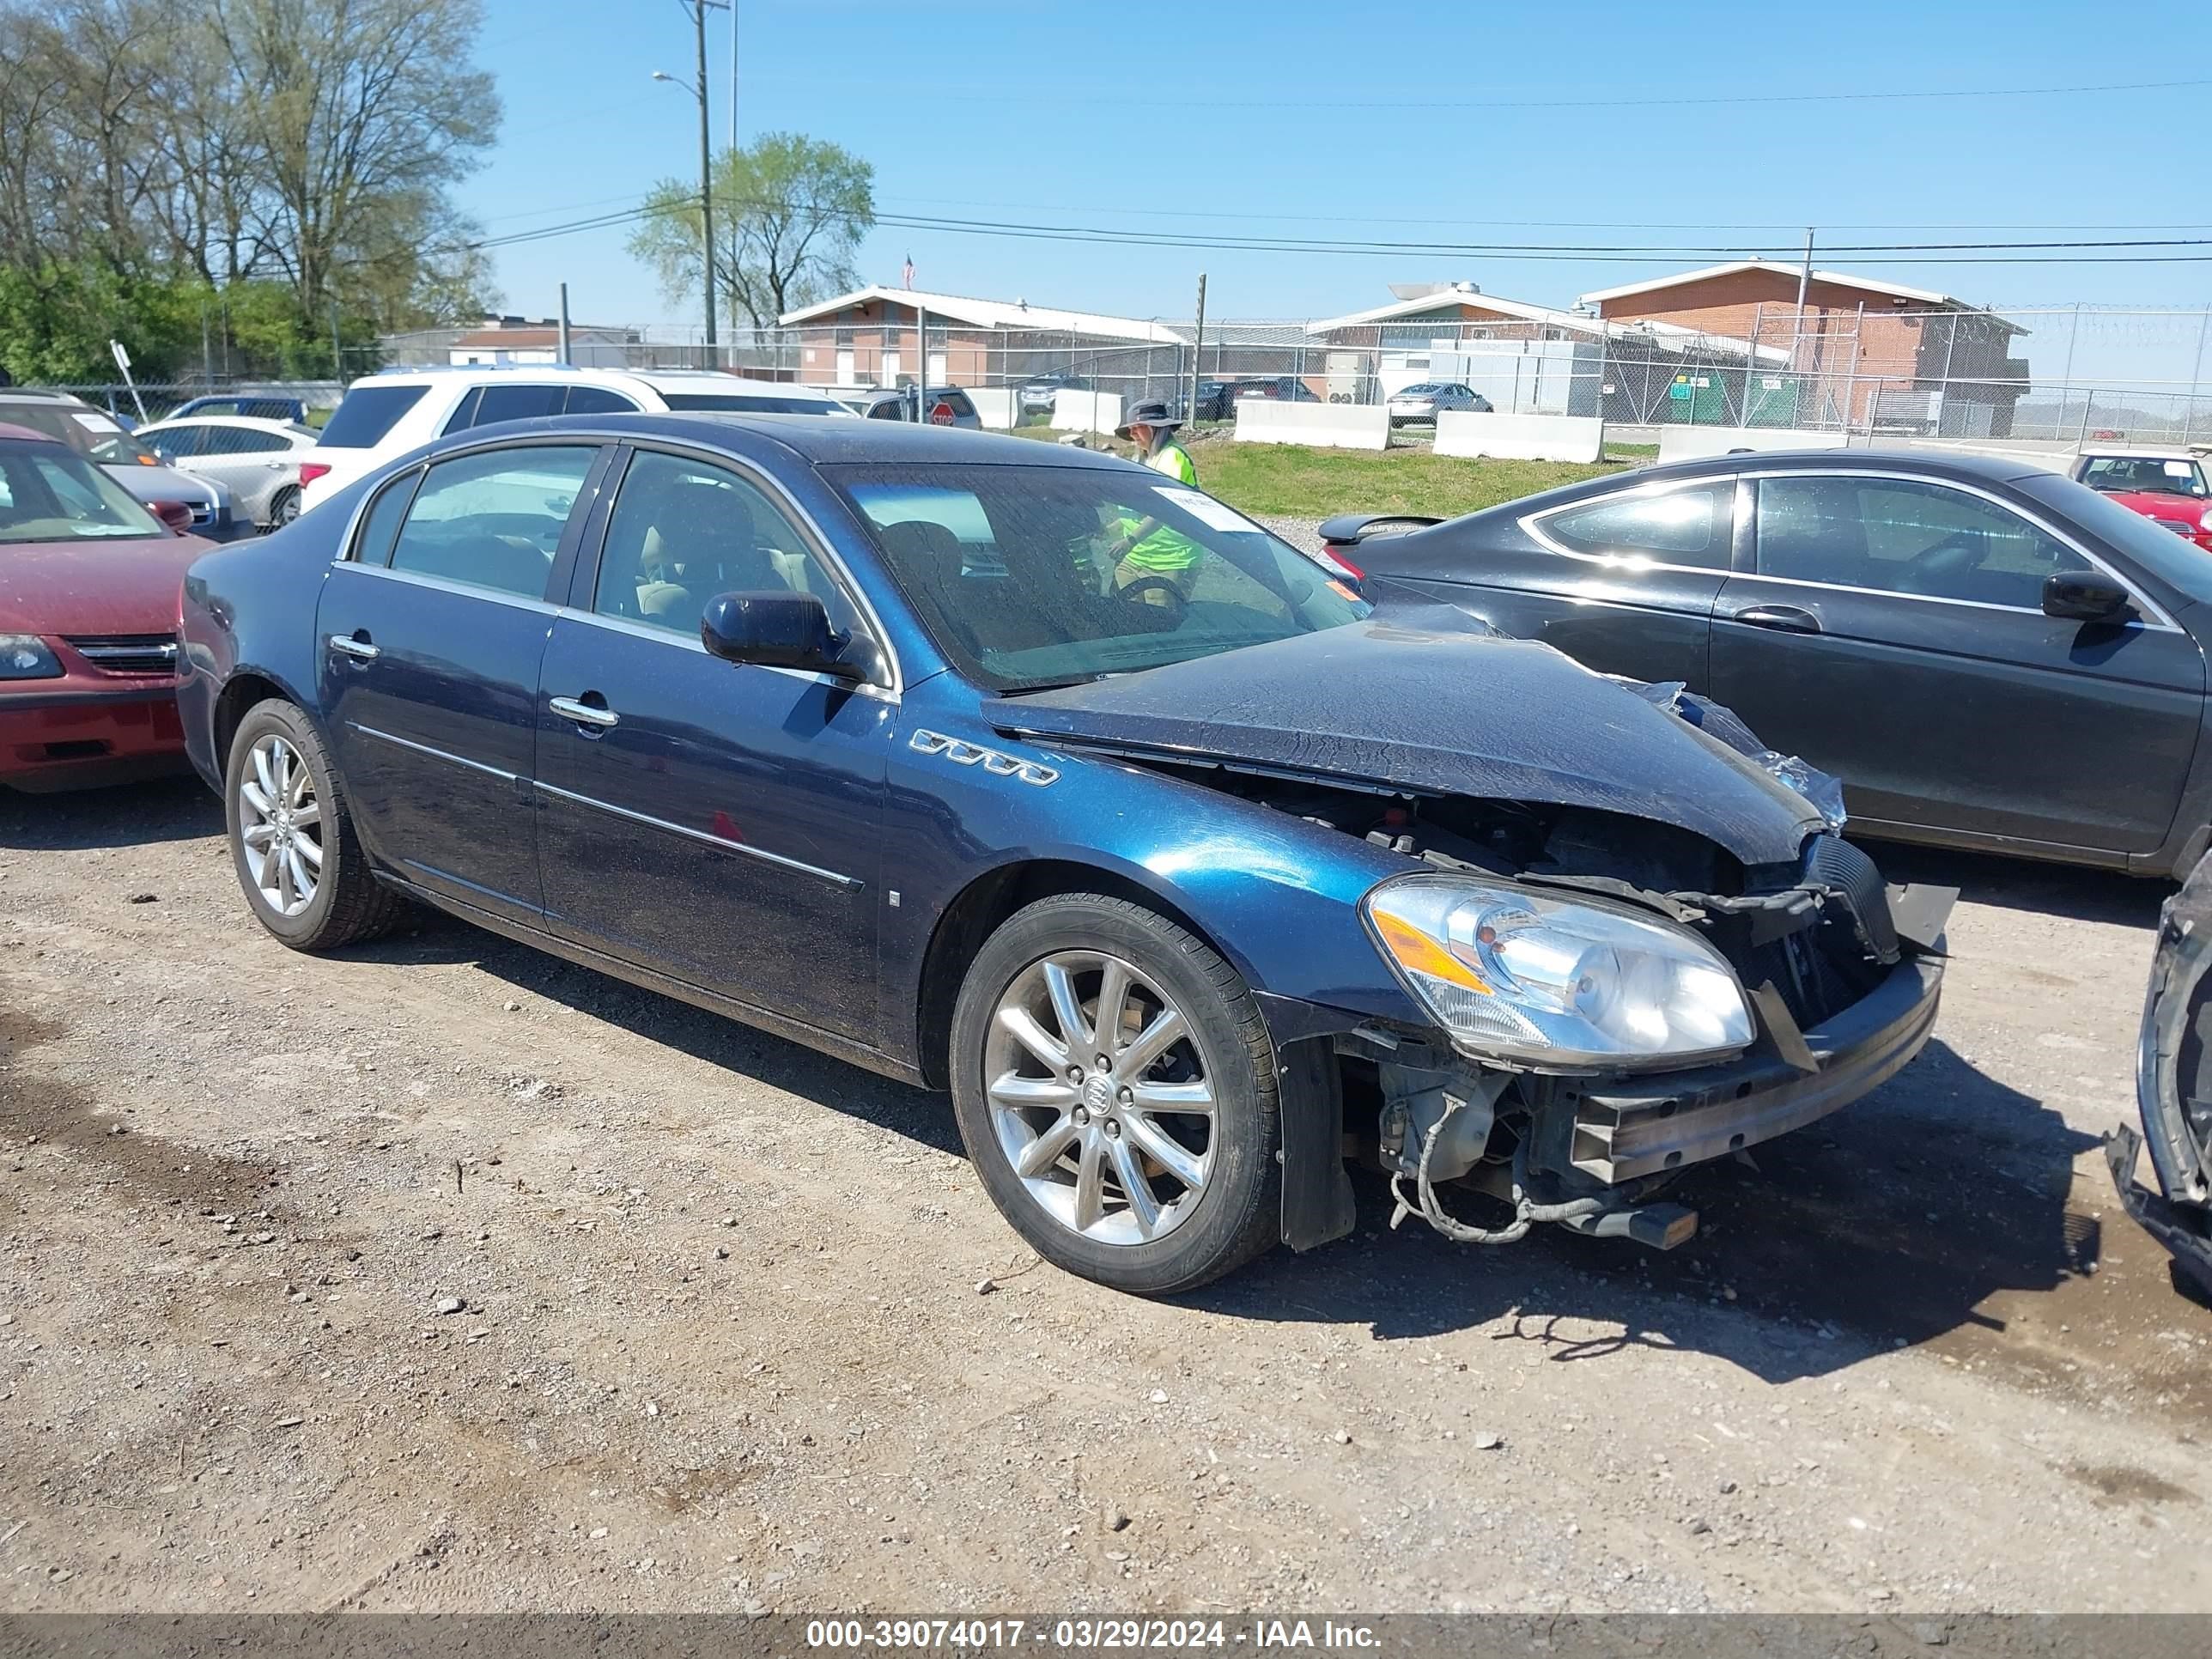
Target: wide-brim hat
x,y
1154,414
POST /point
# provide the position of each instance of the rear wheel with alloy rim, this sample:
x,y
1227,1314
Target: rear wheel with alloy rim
x,y
292,838
1115,1088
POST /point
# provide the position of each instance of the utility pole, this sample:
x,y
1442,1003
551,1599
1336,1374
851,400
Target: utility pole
x,y
1804,281
734,74
338,352
563,356
1197,346
706,179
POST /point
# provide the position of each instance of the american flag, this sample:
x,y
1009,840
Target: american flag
x,y
909,270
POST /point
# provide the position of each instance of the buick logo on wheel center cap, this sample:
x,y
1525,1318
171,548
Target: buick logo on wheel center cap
x,y
1097,1093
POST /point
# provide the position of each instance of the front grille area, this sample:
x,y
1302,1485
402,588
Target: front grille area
x,y
1822,943
128,653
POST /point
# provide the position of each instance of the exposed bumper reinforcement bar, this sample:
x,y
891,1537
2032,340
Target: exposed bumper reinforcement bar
x,y
1646,1126
2179,1227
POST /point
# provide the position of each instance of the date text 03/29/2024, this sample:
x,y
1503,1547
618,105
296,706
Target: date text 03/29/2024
x,y
1081,1635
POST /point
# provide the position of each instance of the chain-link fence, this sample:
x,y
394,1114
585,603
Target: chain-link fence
x,y
2066,374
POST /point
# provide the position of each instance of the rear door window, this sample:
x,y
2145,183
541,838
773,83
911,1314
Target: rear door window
x,y
518,403
367,413
1690,526
495,519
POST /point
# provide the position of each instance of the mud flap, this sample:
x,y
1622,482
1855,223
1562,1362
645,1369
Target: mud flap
x,y
2179,1227
1317,1198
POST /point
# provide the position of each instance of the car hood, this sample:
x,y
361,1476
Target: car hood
x,y
1427,701
2157,504
94,587
165,483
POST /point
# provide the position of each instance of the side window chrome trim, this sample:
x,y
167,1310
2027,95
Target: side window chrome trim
x,y
1531,525
2162,624
447,584
772,487
692,642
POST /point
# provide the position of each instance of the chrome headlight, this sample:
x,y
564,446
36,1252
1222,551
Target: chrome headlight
x,y
28,657
1557,980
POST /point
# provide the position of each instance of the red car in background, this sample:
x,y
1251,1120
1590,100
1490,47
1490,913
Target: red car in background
x,y
88,649
2170,487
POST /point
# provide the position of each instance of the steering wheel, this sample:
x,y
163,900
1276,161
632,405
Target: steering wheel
x,y
1129,591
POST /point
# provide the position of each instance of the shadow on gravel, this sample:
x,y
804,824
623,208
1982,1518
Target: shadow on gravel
x,y
2046,889
1887,1225
917,1114
128,815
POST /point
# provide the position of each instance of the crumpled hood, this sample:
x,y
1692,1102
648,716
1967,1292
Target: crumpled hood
x,y
93,587
1426,700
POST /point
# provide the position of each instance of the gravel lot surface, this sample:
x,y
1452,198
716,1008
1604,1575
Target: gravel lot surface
x,y
441,1274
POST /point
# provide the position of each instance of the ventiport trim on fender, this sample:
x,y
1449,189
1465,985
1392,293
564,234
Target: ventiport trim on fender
x,y
727,845
961,752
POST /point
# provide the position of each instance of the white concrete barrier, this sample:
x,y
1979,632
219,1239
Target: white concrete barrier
x,y
1077,410
1695,443
994,404
1318,426
1521,437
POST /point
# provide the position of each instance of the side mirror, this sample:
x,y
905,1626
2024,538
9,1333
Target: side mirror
x,y
175,515
776,631
2085,595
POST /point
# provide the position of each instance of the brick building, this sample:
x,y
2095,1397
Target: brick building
x,y
1875,353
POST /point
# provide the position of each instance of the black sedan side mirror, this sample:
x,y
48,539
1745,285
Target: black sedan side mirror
x,y
776,631
2084,596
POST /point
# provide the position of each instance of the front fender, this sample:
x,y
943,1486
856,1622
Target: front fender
x,y
272,637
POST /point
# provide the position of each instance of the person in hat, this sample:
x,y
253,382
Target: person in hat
x,y
1138,547
1153,429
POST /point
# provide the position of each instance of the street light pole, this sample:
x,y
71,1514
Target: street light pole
x,y
706,179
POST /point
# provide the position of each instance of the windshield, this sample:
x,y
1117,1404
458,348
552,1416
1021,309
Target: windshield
x,y
53,495
1034,576
2174,560
2146,475
87,431
752,402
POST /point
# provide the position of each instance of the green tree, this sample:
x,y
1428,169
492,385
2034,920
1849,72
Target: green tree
x,y
790,212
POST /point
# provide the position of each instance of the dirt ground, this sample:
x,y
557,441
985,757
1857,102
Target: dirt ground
x,y
721,1342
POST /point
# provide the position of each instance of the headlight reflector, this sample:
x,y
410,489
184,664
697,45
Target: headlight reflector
x,y
1557,980
28,657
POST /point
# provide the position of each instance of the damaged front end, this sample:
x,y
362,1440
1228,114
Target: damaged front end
x,y
1814,986
2174,1088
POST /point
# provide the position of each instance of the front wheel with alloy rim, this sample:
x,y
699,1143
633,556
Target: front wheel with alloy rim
x,y
1116,1091
292,838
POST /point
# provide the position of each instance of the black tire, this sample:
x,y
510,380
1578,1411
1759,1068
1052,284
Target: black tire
x,y
284,508
350,904
1236,1213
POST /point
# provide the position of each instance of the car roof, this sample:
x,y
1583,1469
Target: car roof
x,y
2137,452
254,422
1959,464
657,379
820,442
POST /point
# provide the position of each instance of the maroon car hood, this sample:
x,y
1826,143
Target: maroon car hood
x,y
95,586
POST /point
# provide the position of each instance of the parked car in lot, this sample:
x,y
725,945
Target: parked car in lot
x,y
944,405
384,415
2173,1082
253,406
88,581
257,460
1217,401
1282,388
95,434
1987,654
853,731
1420,404
1034,396
2166,486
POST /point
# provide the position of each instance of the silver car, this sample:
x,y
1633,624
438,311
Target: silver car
x,y
95,434
258,460
1422,403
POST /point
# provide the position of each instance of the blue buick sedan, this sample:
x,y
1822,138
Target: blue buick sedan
x,y
1026,773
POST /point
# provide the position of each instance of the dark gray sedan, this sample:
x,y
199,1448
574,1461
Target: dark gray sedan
x,y
1989,655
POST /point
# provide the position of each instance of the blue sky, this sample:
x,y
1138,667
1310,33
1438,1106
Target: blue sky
x,y
1291,119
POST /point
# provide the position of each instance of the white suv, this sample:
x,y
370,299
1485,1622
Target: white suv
x,y
389,414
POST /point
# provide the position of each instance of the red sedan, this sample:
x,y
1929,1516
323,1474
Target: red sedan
x,y
89,650
2168,487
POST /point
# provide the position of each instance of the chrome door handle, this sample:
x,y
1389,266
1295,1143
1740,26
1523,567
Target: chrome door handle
x,y
359,650
583,713
1783,618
